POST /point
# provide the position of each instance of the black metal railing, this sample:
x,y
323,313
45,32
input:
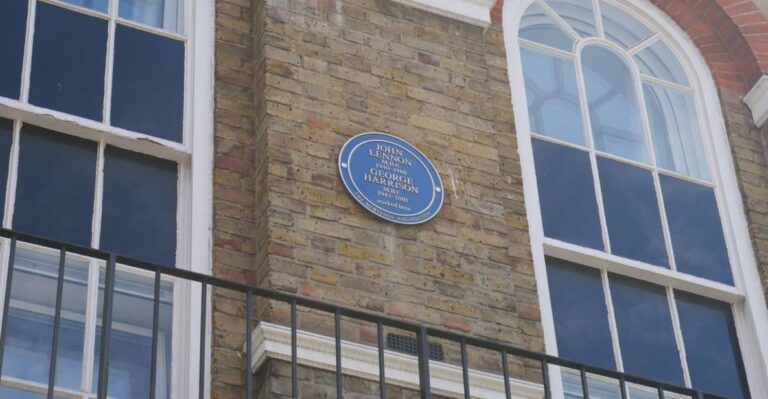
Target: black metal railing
x,y
423,333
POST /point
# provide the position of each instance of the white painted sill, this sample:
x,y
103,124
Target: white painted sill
x,y
271,341
476,12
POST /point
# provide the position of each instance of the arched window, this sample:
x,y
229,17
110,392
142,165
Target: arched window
x,y
640,271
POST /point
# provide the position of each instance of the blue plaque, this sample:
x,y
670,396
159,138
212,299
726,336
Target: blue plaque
x,y
391,178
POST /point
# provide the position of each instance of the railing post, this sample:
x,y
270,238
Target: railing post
x,y
545,378
382,370
423,351
106,326
155,327
584,382
465,367
294,353
339,375
505,373
203,333
248,349
56,323
7,301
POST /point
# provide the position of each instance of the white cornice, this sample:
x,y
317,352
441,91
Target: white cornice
x,y
362,361
476,12
757,101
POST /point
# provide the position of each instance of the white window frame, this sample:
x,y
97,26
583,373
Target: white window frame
x,y
194,157
746,297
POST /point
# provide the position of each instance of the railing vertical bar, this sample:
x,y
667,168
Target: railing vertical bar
x,y
56,323
505,372
423,347
248,349
155,327
623,386
339,376
700,394
382,372
203,334
545,378
294,353
7,301
660,390
465,367
584,383
106,327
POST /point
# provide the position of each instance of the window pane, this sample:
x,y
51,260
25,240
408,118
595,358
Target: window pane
x,y
711,346
76,44
567,195
31,318
632,212
55,188
130,348
577,13
697,234
658,60
578,307
538,26
148,84
6,138
13,27
164,14
644,325
553,100
675,131
98,5
613,108
622,28
139,210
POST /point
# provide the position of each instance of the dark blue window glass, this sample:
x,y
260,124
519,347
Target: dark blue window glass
x,y
697,234
54,192
580,313
148,84
6,138
13,27
644,324
567,195
68,62
711,346
632,212
139,209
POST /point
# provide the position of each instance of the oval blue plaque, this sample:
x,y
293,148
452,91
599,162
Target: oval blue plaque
x,y
391,178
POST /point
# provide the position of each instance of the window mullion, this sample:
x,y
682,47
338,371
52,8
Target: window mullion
x,y
98,194
91,315
26,67
109,65
597,12
643,44
612,320
591,145
652,157
13,174
559,20
678,335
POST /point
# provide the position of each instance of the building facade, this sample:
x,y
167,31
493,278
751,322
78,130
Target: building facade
x,y
175,222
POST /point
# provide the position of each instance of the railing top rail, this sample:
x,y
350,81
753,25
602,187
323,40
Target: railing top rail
x,y
371,317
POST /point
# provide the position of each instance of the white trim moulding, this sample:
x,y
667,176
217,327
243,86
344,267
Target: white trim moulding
x,y
757,101
476,12
271,341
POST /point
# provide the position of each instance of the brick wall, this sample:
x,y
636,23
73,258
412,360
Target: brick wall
x,y
295,80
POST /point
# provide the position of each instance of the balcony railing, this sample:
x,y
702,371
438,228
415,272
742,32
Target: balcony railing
x,y
422,333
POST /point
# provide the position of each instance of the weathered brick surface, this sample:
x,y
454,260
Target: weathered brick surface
x,y
749,146
295,80
335,69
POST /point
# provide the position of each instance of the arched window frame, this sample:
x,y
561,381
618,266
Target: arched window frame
x,y
746,297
